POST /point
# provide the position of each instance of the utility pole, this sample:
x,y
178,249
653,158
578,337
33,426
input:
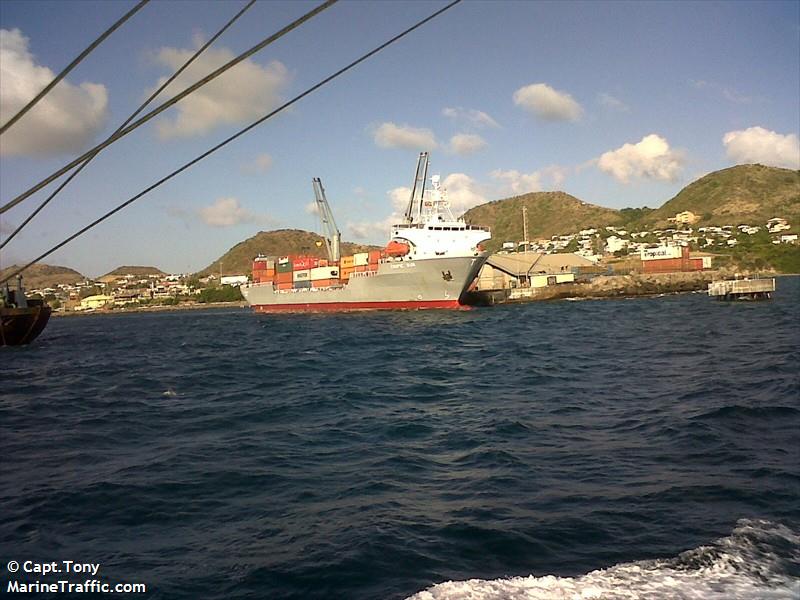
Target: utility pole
x,y
525,227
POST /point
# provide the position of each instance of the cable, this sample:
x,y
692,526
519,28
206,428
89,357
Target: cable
x,y
156,111
128,120
72,65
231,138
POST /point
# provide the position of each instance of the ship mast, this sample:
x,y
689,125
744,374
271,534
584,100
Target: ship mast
x,y
329,230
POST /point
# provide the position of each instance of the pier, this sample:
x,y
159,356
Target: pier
x,y
742,289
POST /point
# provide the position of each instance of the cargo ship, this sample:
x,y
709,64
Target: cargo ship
x,y
430,261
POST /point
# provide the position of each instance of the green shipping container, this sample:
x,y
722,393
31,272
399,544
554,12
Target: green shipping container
x,y
284,267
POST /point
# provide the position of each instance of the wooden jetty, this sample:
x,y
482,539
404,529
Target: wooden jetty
x,y
742,289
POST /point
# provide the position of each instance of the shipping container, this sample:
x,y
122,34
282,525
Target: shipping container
x,y
301,284
346,262
283,277
324,273
323,283
302,263
374,257
269,273
284,286
360,268
284,267
323,262
361,259
664,253
301,275
664,265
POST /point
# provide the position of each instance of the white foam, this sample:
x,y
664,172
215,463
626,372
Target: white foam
x,y
751,563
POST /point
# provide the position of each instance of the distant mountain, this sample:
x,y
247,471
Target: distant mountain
x,y
238,260
549,214
133,270
749,194
40,275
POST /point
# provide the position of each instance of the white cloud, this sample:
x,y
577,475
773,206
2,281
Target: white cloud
x,y
463,192
227,212
64,121
611,103
260,164
547,103
759,145
389,135
475,117
651,158
466,143
245,92
379,230
517,182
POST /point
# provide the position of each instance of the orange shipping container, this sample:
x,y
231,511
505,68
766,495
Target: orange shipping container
x,y
321,283
374,256
284,277
347,261
361,268
285,286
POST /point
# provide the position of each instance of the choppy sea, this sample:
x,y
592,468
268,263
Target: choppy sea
x,y
639,448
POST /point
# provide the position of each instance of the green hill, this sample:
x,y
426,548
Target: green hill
x,y
750,194
238,260
549,214
40,275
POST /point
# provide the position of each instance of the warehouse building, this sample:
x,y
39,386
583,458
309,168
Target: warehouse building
x,y
531,270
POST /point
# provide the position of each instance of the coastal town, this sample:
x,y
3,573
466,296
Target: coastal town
x,y
518,266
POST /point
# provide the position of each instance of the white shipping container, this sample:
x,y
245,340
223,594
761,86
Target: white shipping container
x,y
361,259
303,275
661,252
318,273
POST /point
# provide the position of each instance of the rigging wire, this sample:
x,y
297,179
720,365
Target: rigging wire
x,y
175,99
128,120
233,137
72,65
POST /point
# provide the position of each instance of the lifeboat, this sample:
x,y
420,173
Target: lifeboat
x,y
395,248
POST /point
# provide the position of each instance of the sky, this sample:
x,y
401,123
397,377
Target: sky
x,y
620,104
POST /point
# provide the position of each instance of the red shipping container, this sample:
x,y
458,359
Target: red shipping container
x,y
361,268
259,265
303,263
374,256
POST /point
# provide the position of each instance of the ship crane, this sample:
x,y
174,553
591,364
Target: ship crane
x,y
329,230
418,189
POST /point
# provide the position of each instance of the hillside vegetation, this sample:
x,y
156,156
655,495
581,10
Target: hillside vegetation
x,y
238,260
549,214
40,275
750,194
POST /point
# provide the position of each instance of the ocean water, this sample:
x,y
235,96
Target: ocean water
x,y
640,448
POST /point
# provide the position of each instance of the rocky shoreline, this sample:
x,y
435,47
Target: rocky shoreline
x,y
152,309
608,286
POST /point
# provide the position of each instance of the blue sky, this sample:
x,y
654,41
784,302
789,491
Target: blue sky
x,y
620,104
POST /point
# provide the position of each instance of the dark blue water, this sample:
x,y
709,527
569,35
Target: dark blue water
x,y
638,448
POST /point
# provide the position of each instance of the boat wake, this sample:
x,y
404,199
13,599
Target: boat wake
x,y
759,560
